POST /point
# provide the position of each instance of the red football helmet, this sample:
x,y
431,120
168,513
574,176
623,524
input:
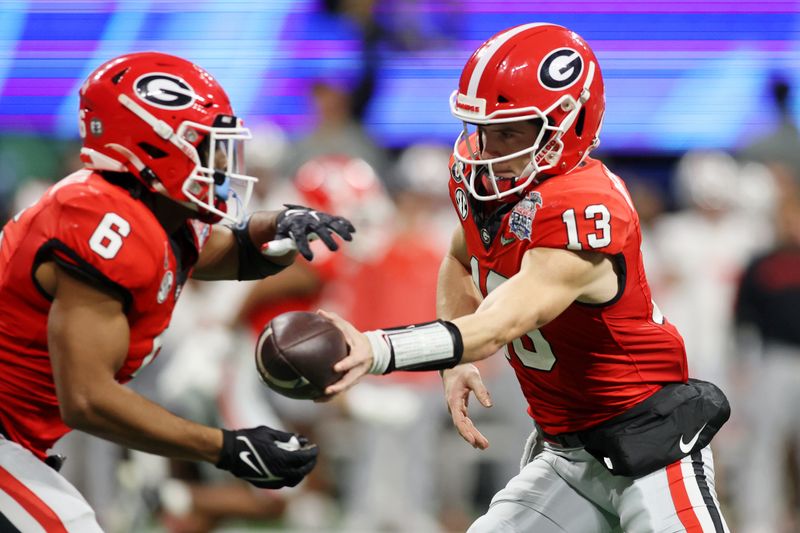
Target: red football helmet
x,y
349,187
533,71
170,123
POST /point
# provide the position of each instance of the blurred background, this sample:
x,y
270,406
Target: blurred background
x,y
348,103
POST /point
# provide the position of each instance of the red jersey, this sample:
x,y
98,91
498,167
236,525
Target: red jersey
x,y
97,231
593,361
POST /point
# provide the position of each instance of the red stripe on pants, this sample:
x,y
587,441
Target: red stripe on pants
x,y
31,503
680,498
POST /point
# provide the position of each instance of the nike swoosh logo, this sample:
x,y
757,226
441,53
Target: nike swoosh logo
x,y
263,472
686,447
504,240
245,457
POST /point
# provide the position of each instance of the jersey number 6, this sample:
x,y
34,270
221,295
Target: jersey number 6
x,y
107,238
532,349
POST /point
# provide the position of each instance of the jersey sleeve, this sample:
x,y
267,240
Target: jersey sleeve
x,y
599,219
105,243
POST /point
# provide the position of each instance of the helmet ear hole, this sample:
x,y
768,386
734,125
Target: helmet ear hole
x,y
580,121
502,99
152,151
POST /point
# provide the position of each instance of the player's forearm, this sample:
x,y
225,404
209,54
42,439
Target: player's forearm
x,y
117,413
480,328
508,313
221,255
455,292
218,260
483,334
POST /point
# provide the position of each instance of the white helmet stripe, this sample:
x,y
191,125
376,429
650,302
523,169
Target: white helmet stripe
x,y
472,90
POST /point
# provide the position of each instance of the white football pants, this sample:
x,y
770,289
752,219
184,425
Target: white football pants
x,y
566,490
34,498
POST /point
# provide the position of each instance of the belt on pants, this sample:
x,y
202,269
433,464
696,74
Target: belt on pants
x,y
565,440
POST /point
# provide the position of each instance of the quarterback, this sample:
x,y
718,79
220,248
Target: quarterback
x,y
546,268
90,274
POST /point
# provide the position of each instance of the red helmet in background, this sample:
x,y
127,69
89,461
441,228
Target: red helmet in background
x,y
529,72
339,184
349,187
170,123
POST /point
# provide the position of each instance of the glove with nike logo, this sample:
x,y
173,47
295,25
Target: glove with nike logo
x,y
268,458
298,222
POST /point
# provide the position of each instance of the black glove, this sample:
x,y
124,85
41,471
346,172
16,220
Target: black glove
x,y
297,222
266,457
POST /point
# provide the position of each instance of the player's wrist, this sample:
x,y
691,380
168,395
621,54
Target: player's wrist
x,y
226,449
252,264
431,346
263,226
381,351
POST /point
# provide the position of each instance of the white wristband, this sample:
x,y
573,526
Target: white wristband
x,y
381,351
420,345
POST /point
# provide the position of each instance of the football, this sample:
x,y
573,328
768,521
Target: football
x,y
296,352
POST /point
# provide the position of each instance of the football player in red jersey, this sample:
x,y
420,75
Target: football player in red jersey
x,y
89,276
551,240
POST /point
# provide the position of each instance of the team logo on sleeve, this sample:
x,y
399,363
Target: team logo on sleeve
x,y
166,286
461,203
165,91
457,171
560,69
520,222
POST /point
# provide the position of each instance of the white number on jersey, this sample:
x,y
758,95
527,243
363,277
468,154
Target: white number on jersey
x,y
532,349
658,316
602,223
107,238
147,359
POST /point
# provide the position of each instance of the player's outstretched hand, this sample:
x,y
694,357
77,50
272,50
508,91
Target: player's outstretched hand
x,y
458,382
298,223
268,458
358,360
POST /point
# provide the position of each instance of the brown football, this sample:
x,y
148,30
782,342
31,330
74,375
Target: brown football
x,y
296,352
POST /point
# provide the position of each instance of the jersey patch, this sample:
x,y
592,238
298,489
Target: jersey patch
x,y
520,223
462,204
456,171
166,286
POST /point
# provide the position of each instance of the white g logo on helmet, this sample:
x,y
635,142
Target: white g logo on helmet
x,y
560,69
164,91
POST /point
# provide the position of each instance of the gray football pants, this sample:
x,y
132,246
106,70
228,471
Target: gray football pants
x,y
566,490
